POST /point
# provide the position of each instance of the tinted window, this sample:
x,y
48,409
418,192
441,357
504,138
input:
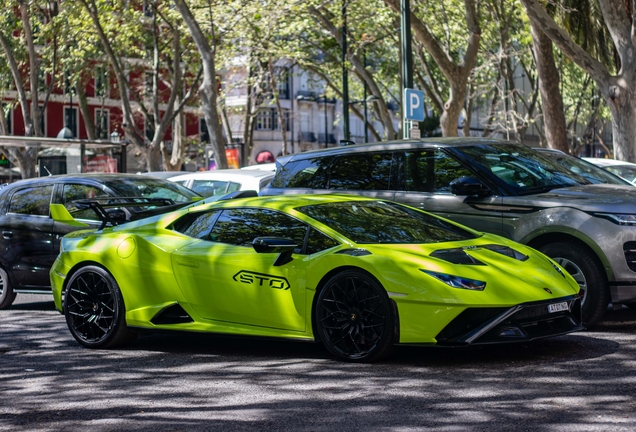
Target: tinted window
x,y
361,171
384,222
73,192
197,225
209,188
148,187
32,201
521,168
318,241
306,173
241,226
432,171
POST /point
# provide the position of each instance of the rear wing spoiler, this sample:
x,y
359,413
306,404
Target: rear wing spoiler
x,y
101,207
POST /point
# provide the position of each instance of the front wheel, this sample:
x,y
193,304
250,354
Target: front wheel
x,y
94,309
354,318
7,295
588,272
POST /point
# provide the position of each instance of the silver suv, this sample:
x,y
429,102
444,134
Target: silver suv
x,y
494,186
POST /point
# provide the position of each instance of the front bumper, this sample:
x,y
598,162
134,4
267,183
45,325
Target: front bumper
x,y
521,323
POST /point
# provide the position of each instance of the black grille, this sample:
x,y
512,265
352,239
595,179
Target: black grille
x,y
467,321
630,254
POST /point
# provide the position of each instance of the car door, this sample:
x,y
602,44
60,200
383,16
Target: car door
x,y
26,246
225,279
426,176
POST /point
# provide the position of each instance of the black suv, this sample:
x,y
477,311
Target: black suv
x,y
585,224
30,239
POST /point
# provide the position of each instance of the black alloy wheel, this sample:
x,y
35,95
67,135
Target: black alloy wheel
x,y
94,309
7,295
354,317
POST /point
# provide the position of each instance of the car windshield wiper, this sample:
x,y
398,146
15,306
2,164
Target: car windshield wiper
x,y
542,189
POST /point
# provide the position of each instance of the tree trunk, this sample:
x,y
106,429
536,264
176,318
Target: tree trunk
x,y
553,115
208,89
82,101
622,103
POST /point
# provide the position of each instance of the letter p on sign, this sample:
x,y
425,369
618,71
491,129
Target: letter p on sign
x,y
414,101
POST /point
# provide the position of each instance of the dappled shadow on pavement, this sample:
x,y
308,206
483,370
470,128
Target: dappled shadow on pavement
x,y
171,381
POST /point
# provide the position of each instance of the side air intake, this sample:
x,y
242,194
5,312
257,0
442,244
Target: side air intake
x,y
173,314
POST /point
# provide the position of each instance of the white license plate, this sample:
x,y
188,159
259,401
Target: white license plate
x,y
557,307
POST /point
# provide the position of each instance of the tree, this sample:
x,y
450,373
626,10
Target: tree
x,y
208,91
124,33
619,89
456,72
21,26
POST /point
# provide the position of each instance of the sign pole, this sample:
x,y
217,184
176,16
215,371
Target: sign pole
x,y
407,59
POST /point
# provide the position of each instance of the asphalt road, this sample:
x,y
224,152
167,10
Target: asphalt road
x,y
190,382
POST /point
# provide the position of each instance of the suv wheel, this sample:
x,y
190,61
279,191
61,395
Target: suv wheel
x,y
7,295
586,270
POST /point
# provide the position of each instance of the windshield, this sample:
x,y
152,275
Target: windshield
x,y
627,172
521,168
585,169
148,187
384,222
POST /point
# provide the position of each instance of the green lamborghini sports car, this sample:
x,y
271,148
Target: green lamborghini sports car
x,y
359,275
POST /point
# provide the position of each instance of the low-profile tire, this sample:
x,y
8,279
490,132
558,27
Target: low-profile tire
x,y
354,318
588,272
94,309
7,295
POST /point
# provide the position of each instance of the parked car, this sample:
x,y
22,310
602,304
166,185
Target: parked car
x,y
223,181
263,167
31,239
357,274
623,169
493,186
588,170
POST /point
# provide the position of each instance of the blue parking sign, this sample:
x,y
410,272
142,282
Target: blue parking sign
x,y
414,104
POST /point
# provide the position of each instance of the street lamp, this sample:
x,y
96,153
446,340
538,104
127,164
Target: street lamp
x,y
114,137
364,102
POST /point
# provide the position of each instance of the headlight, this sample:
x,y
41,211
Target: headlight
x,y
618,219
457,281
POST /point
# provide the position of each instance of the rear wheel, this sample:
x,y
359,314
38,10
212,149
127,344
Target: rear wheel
x,y
7,295
354,318
94,309
588,272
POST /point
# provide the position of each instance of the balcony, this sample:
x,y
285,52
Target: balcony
x,y
307,137
331,138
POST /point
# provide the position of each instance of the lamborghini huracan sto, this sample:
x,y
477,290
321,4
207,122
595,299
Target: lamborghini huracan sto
x,y
358,275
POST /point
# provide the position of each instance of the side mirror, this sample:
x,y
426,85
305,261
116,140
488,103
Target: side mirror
x,y
282,246
469,186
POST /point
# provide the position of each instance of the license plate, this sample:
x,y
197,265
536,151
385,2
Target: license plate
x,y
557,307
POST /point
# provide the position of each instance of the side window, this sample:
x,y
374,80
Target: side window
x,y
318,241
305,173
432,171
240,226
209,188
31,201
362,171
197,225
233,187
73,192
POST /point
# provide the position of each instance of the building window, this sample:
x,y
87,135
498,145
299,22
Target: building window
x,y
264,120
282,82
149,127
147,9
70,120
285,119
101,81
7,111
42,120
148,80
102,124
204,133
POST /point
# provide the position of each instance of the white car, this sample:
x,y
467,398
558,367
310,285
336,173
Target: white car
x,y
223,181
623,169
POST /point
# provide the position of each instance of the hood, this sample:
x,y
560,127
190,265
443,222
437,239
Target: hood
x,y
588,198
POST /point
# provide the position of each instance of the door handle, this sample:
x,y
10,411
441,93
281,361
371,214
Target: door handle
x,y
7,234
187,263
